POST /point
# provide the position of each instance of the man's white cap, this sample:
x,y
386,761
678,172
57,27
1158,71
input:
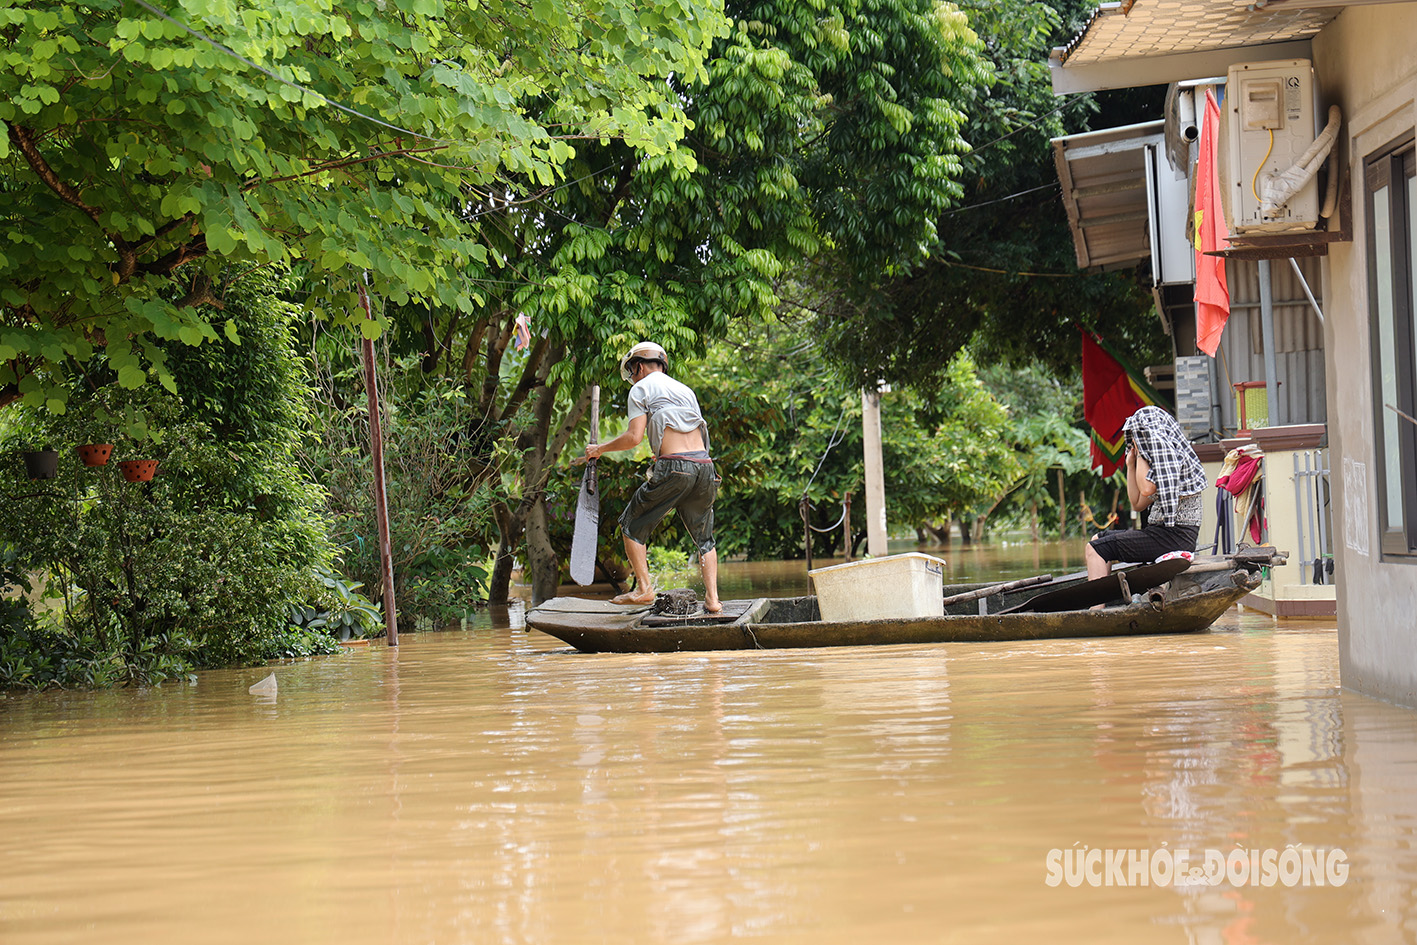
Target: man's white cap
x,y
645,350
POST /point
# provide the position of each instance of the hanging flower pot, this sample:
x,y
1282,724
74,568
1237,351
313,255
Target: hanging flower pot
x,y
42,464
138,470
95,454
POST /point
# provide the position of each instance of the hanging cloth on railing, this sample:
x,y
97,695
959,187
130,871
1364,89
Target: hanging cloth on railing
x,y
1242,476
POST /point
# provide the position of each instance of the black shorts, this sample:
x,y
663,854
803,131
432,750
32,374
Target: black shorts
x,y
1146,545
673,484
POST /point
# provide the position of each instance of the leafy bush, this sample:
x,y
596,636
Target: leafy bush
x,y
201,565
670,567
341,611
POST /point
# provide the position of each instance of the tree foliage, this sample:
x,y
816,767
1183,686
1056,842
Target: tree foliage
x,y
151,160
1003,275
817,130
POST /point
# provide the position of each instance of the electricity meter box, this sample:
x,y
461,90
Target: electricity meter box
x,y
1270,123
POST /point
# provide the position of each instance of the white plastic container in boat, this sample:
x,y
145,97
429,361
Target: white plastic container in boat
x,y
908,585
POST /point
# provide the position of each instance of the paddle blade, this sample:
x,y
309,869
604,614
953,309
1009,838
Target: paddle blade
x,y
583,541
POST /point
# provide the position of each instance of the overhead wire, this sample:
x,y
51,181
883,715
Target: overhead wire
x,y
1010,272
986,203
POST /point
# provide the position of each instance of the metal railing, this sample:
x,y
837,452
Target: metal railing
x,y
1311,506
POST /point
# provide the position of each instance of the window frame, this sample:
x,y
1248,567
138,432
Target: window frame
x,y
1393,169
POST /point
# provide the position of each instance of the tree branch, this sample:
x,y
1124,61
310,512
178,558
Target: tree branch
x,y
201,294
23,140
337,164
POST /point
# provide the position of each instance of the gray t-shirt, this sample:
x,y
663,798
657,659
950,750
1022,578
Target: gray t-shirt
x,y
669,404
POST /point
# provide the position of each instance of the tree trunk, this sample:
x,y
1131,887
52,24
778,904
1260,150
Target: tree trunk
x,y
941,532
542,562
500,583
541,447
509,530
1033,520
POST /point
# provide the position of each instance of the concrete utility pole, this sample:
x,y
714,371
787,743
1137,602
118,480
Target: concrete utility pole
x,y
875,474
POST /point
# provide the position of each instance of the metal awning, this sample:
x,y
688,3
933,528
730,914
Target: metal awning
x,y
1104,178
1151,42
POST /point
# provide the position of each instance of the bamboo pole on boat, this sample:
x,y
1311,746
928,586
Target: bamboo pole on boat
x,y
806,508
993,589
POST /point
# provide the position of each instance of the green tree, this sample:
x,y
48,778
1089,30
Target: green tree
x,y
1002,277
150,161
818,130
1052,443
439,521
786,426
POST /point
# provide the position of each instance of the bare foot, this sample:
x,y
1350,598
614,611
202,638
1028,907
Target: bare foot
x,y
712,607
634,597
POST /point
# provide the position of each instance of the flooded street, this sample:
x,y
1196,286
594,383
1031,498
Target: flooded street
x,y
493,786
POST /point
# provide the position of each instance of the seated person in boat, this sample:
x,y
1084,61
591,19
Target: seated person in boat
x,y
1165,478
683,475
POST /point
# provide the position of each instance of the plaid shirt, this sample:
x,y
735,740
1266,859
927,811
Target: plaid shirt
x,y
1175,468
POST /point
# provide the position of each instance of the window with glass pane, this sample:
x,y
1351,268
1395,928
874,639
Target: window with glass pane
x,y
1391,188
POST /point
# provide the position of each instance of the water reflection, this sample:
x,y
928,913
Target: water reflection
x,y
494,786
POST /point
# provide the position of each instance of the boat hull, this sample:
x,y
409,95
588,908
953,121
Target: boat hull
x,y
595,627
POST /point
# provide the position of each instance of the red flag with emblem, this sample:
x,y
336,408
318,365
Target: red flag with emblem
x,y
1110,394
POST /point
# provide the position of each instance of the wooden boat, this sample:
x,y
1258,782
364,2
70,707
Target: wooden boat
x,y
1149,599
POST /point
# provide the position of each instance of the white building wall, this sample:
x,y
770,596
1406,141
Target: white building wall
x,y
1366,62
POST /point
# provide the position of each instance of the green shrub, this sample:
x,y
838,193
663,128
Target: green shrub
x,y
341,611
200,566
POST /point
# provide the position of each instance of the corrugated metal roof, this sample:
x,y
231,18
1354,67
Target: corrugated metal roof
x,y
1104,180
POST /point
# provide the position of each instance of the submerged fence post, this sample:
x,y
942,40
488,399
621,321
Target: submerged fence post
x,y
805,507
846,527
381,499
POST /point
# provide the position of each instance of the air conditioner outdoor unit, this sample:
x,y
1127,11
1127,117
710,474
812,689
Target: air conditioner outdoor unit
x,y
1269,128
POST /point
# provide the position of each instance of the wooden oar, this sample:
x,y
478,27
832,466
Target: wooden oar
x,y
998,589
587,533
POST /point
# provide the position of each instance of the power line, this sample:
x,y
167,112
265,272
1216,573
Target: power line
x,y
1010,272
1021,193
1010,134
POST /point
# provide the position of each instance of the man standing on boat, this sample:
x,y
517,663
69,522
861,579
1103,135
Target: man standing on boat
x,y
1165,477
682,478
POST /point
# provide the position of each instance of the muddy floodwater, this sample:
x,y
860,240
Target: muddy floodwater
x,y
491,786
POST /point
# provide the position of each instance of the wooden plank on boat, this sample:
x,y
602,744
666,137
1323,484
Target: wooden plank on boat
x,y
581,605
